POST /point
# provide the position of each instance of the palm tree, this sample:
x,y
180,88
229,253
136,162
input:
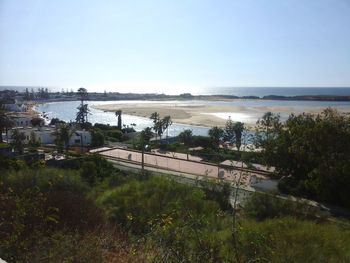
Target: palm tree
x,y
186,137
156,123
83,94
158,128
167,122
154,117
5,124
118,113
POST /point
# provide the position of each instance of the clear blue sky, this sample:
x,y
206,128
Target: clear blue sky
x,y
184,43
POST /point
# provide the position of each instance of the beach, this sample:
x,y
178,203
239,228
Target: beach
x,y
205,115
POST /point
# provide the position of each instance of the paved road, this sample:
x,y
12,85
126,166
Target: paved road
x,y
166,162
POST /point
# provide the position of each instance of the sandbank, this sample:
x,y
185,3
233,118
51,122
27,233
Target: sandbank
x,y
203,115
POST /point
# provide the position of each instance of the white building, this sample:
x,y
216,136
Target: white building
x,y
81,138
16,107
46,135
20,119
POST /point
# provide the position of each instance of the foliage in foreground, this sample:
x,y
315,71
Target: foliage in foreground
x,y
50,215
184,226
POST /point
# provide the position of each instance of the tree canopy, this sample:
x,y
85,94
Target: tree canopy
x,y
312,152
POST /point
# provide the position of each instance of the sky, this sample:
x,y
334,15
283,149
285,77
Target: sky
x,y
136,45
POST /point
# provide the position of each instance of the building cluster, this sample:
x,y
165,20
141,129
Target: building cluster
x,y
46,135
27,122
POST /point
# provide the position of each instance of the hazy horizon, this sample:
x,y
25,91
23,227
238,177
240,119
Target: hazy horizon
x,y
237,91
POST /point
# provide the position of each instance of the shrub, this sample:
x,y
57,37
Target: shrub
x,y
292,240
98,138
115,134
202,141
34,203
137,203
264,206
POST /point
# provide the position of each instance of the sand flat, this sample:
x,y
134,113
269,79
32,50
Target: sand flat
x,y
203,115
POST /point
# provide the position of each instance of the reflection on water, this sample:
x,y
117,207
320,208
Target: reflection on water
x,y
234,116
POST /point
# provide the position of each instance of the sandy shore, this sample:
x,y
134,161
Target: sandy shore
x,y
193,115
203,115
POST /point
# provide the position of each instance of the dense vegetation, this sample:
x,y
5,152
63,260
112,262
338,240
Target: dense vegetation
x,y
312,152
95,213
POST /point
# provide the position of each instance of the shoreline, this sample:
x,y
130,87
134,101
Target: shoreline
x,y
204,115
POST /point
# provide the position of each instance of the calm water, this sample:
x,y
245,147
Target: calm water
x,y
260,92
66,111
253,109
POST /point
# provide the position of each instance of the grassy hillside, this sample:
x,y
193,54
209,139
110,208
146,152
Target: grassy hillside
x,y
103,215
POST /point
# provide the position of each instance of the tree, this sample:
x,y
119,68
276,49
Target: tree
x,y
186,137
55,121
5,122
238,130
97,138
312,152
18,140
63,134
229,131
33,140
83,109
26,95
158,128
146,135
118,113
37,121
233,132
32,94
155,117
266,134
216,134
166,123
157,125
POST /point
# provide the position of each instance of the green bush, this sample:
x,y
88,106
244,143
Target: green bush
x,y
115,134
98,139
202,141
35,203
137,203
103,244
292,240
263,206
104,127
96,168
